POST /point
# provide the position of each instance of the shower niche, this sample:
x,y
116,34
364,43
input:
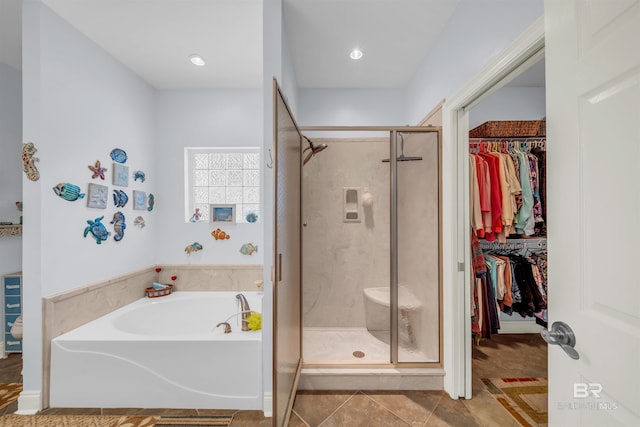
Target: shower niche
x,y
351,205
371,240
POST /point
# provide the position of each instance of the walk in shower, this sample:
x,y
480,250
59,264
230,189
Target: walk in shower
x,y
371,239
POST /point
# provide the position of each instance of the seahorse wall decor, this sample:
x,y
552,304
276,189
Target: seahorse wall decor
x,y
29,162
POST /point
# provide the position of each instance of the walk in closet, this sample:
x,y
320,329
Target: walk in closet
x,y
507,189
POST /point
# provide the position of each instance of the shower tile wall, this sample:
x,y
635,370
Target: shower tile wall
x,y
341,259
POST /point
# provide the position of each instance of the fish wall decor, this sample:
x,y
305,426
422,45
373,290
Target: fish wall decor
x,y
152,201
248,249
252,217
220,235
120,198
194,247
68,191
29,162
119,155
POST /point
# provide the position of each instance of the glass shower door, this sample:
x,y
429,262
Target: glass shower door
x,y
371,247
418,247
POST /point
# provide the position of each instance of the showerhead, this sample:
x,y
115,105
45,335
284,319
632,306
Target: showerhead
x,y
313,150
402,157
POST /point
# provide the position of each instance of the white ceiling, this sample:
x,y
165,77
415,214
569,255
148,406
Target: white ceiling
x,y
394,35
155,37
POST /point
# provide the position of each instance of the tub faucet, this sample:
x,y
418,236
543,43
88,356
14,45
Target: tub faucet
x,y
227,327
244,310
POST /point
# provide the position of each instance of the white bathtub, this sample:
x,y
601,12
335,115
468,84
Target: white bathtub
x,y
161,352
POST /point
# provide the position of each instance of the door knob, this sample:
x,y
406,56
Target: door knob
x,y
561,334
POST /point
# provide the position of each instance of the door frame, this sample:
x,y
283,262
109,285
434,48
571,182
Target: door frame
x,y
517,57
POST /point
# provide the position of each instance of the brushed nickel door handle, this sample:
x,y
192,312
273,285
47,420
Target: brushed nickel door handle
x,y
561,334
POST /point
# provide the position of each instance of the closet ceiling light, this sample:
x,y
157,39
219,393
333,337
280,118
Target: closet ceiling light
x,y
197,60
355,54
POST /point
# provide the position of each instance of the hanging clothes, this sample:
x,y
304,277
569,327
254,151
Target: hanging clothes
x,y
484,312
541,227
507,192
507,281
507,199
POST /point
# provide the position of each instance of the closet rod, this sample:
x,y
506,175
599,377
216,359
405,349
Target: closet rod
x,y
511,139
533,243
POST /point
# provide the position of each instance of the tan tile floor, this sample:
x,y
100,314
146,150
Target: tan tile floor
x,y
502,356
513,355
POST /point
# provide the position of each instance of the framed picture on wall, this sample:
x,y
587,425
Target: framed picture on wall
x,y
120,175
97,197
222,214
139,200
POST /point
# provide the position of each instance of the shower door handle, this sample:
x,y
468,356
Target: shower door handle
x,y
280,267
561,334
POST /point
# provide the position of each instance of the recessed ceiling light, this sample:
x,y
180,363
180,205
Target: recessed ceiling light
x,y
355,54
197,60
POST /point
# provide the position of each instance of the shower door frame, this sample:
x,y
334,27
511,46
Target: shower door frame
x,y
393,306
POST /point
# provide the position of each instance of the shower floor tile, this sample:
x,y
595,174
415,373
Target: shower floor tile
x,y
338,345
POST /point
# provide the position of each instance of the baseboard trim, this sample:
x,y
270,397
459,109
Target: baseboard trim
x,y
267,404
520,327
371,379
29,402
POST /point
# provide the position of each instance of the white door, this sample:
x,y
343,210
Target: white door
x,y
593,145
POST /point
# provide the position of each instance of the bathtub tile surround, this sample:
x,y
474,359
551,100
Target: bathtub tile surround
x,y
68,310
212,277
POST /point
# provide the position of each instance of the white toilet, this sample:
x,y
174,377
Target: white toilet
x,y
377,313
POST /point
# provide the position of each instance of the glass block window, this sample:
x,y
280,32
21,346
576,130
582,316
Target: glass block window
x,y
222,176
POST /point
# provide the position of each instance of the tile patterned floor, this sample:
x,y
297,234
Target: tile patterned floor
x,y
513,355
380,408
501,356
11,372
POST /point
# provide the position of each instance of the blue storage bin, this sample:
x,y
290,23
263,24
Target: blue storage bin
x,y
12,303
